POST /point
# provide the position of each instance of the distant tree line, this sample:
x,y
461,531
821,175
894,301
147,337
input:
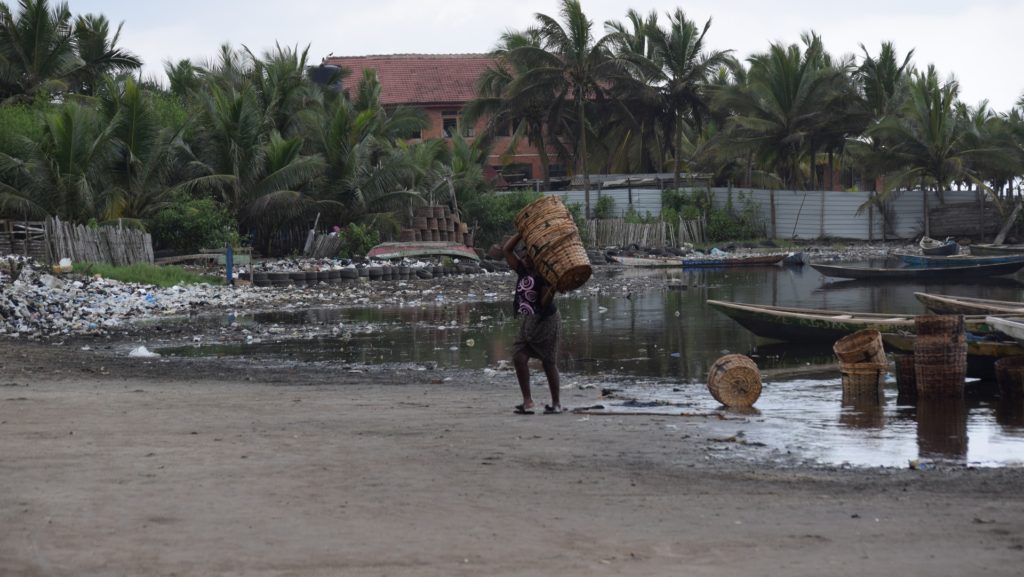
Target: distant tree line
x,y
651,95
246,144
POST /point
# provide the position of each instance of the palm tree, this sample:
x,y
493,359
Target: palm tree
x,y
574,66
685,68
526,117
99,53
145,155
783,105
928,138
37,49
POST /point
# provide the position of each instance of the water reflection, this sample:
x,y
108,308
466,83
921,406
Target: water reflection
x,y
863,409
942,429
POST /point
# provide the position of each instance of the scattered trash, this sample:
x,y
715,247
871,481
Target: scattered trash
x,y
142,353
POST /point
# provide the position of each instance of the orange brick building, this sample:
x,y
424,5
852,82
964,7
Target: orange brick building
x,y
440,85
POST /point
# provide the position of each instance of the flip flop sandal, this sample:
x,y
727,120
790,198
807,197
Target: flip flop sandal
x,y
522,410
549,410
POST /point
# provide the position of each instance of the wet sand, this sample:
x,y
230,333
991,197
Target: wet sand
x,y
117,466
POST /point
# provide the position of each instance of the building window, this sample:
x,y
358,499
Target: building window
x,y
449,122
556,170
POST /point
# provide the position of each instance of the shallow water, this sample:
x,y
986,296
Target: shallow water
x,y
667,334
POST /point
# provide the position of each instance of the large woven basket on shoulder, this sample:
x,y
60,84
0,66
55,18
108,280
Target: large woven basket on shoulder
x,y
553,243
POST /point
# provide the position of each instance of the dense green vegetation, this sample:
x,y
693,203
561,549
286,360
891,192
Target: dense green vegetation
x,y
148,274
651,96
247,147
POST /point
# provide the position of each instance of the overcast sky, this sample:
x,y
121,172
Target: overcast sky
x,y
981,42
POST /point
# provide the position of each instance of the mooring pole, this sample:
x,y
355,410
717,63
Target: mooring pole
x,y
229,258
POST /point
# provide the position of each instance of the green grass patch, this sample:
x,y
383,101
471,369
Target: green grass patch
x,y
162,276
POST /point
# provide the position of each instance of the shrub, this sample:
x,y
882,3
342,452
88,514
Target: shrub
x,y
605,207
191,224
357,240
494,215
143,273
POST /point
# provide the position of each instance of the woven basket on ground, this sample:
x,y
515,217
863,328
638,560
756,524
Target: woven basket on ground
x,y
939,325
863,378
1010,376
553,242
735,381
407,235
861,347
435,236
906,379
438,211
419,222
939,368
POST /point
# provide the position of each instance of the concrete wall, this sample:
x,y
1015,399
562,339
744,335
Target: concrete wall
x,y
645,201
803,214
816,214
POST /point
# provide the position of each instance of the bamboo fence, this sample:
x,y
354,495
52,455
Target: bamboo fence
x,y
617,232
108,244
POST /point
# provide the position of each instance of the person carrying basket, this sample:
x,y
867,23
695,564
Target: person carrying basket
x,y
539,332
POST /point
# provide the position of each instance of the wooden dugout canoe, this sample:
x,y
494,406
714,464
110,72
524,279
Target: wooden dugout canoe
x,y
915,273
918,260
821,326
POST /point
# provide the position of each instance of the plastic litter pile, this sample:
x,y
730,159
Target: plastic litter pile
x,y
37,304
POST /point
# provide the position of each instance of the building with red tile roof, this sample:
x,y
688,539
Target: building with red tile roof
x,y
440,85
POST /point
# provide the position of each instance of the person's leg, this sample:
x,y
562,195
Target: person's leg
x,y
521,361
554,383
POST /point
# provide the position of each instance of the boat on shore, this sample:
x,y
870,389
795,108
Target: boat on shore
x,y
647,261
954,305
982,353
919,260
907,273
997,249
389,250
932,247
719,261
816,325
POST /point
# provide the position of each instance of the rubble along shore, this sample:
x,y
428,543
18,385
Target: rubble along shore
x,y
35,304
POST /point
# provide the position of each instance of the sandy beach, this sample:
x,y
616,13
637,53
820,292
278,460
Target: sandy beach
x,y
117,466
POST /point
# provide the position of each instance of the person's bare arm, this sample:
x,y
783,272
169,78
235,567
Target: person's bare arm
x,y
510,251
547,297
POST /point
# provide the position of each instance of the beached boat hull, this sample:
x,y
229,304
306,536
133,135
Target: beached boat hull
x,y
885,274
389,250
952,305
759,260
820,326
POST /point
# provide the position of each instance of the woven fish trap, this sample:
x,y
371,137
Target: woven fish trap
x,y
861,347
906,378
1010,377
940,367
939,325
863,377
735,381
438,212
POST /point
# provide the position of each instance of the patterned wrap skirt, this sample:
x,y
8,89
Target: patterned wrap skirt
x,y
538,337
